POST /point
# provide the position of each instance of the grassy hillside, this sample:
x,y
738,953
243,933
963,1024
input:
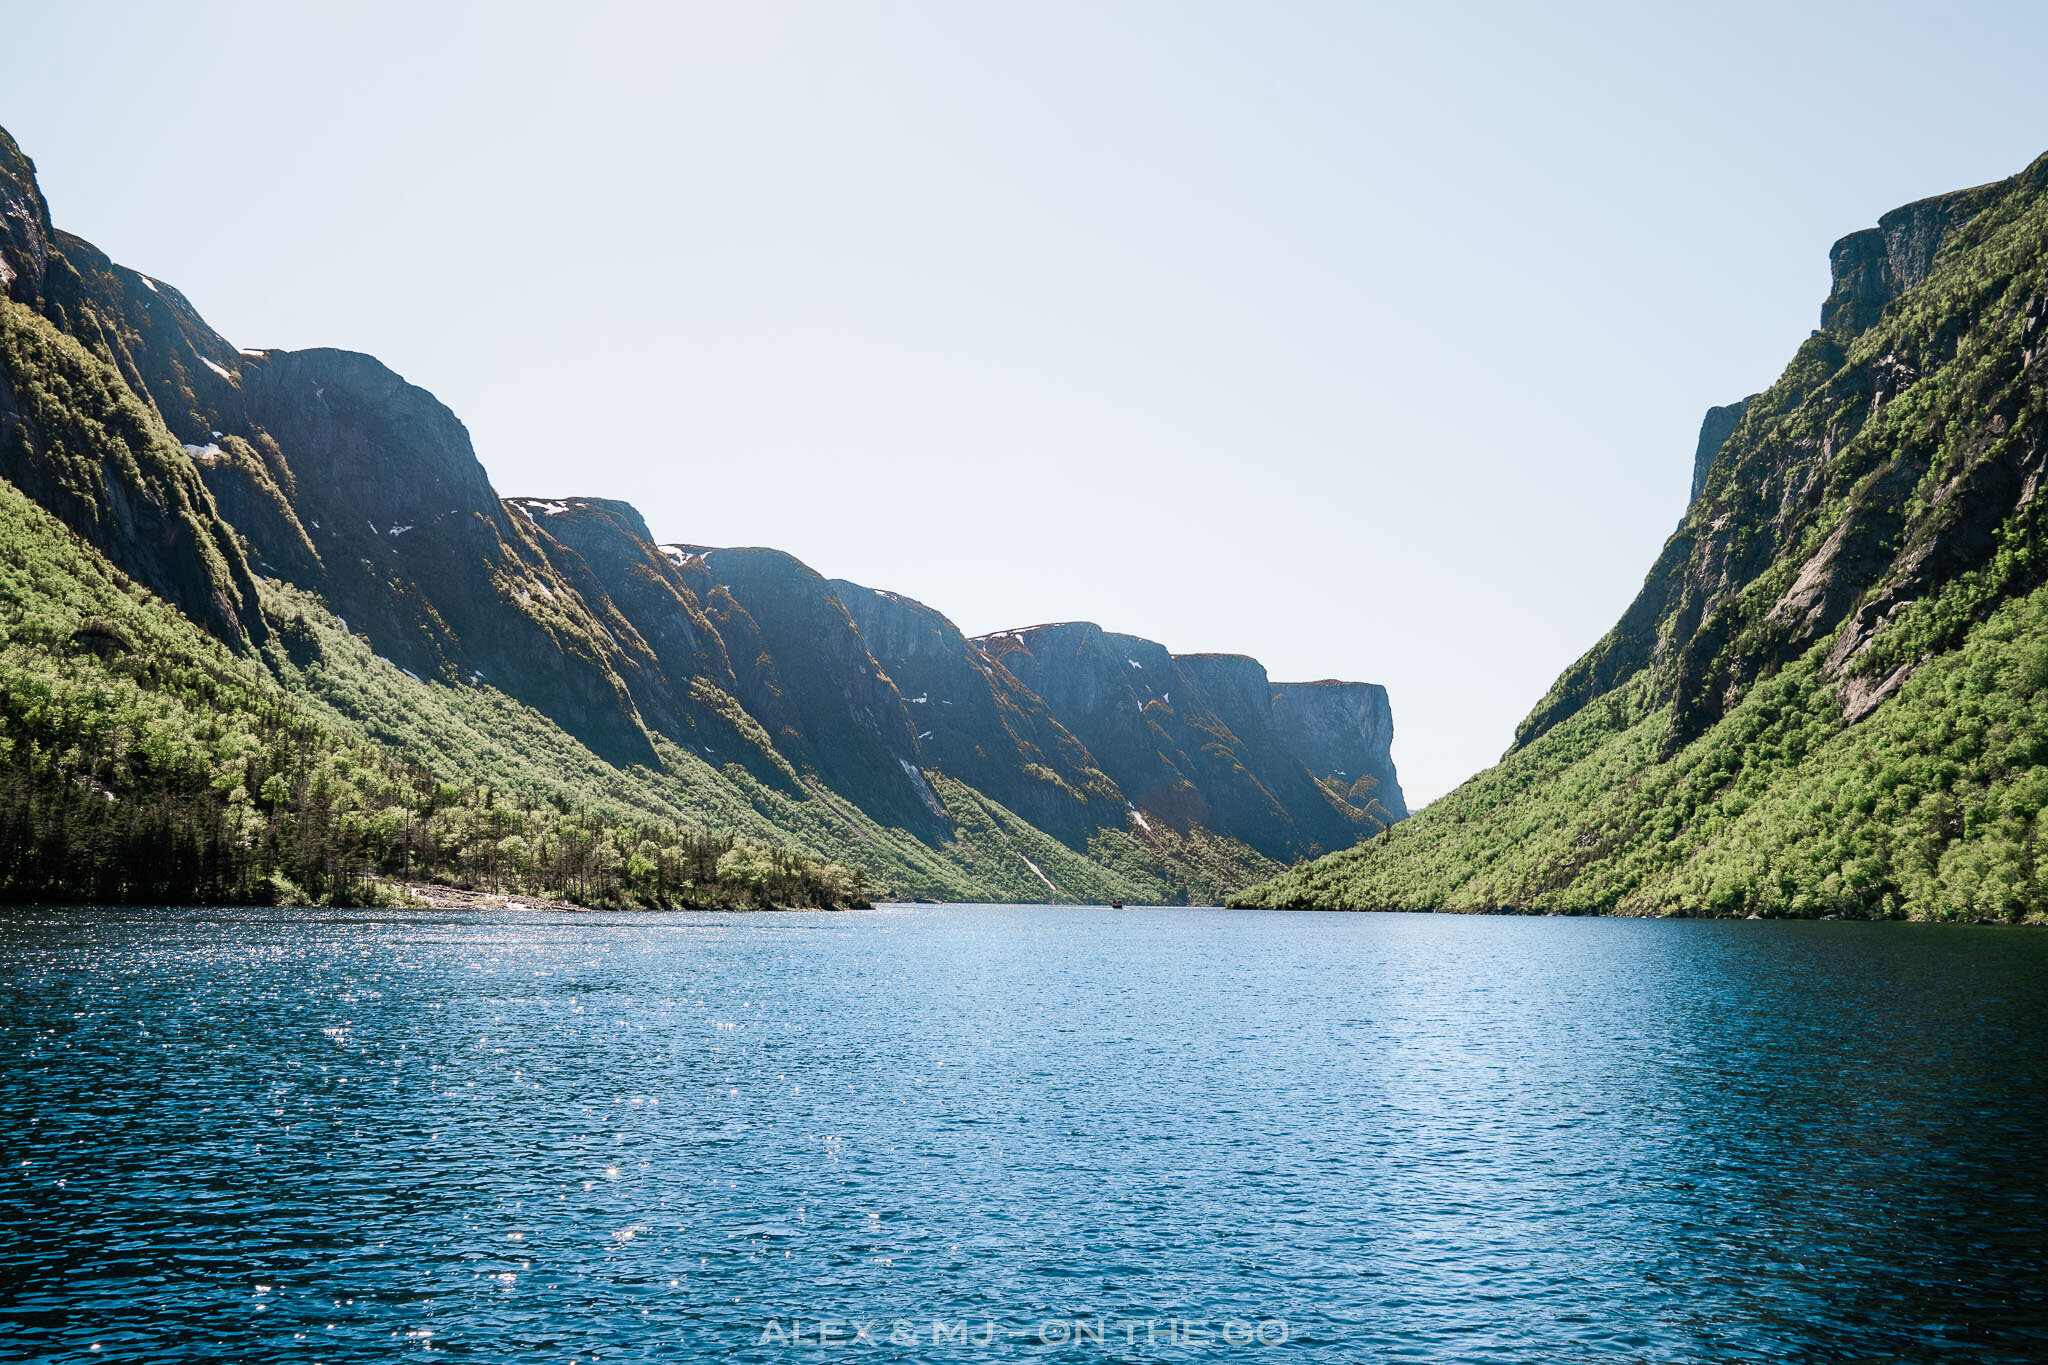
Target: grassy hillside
x,y
1827,699
140,760
1931,808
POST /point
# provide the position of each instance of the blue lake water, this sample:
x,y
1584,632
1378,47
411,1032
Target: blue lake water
x,y
1005,1133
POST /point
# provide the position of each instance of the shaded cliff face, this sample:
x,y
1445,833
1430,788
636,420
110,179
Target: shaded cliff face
x,y
1344,733
1114,694
77,441
202,469
75,437
1188,739
1870,268
1239,754
978,722
1715,429
803,670
24,225
411,545
669,649
322,468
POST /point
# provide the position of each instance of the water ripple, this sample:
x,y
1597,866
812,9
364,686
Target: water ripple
x,y
279,1135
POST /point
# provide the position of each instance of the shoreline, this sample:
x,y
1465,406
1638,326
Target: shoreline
x,y
434,896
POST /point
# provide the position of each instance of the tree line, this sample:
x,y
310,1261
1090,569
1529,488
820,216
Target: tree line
x,y
253,802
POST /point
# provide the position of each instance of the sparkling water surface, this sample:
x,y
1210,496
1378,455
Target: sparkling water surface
x,y
979,1132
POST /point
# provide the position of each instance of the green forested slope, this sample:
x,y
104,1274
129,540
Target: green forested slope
x,y
491,738
529,692
175,725
1828,697
1932,807
141,760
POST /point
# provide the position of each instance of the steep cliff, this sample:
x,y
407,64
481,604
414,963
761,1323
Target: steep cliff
x,y
77,437
1824,699
1344,733
808,677
1212,759
977,721
318,512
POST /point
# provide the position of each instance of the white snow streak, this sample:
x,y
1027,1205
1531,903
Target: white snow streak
x,y
1035,870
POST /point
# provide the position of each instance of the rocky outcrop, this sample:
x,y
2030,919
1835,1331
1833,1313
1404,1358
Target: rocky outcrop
x,y
1188,739
803,670
199,466
1715,429
1870,268
1114,693
414,548
24,225
1899,451
1344,733
79,436
978,722
76,440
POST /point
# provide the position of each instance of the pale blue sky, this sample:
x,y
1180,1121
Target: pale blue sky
x,y
1371,340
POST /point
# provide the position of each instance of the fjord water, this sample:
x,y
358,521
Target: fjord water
x,y
326,1136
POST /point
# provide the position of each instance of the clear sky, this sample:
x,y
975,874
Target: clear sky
x,y
1369,339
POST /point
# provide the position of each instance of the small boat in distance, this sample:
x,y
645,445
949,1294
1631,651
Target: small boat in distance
x,y
1116,905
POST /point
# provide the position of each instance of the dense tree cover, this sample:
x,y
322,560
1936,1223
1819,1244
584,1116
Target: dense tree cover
x,y
1932,808
140,760
481,732
1828,699
276,756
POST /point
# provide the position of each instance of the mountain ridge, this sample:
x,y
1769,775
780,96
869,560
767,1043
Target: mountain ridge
x,y
320,488
1823,700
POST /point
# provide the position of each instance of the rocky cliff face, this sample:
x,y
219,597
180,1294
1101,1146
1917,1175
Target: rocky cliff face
x,y
1870,268
78,436
1829,695
411,545
1188,739
199,467
1344,733
1715,429
1114,693
1831,497
977,721
24,225
320,467
809,678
